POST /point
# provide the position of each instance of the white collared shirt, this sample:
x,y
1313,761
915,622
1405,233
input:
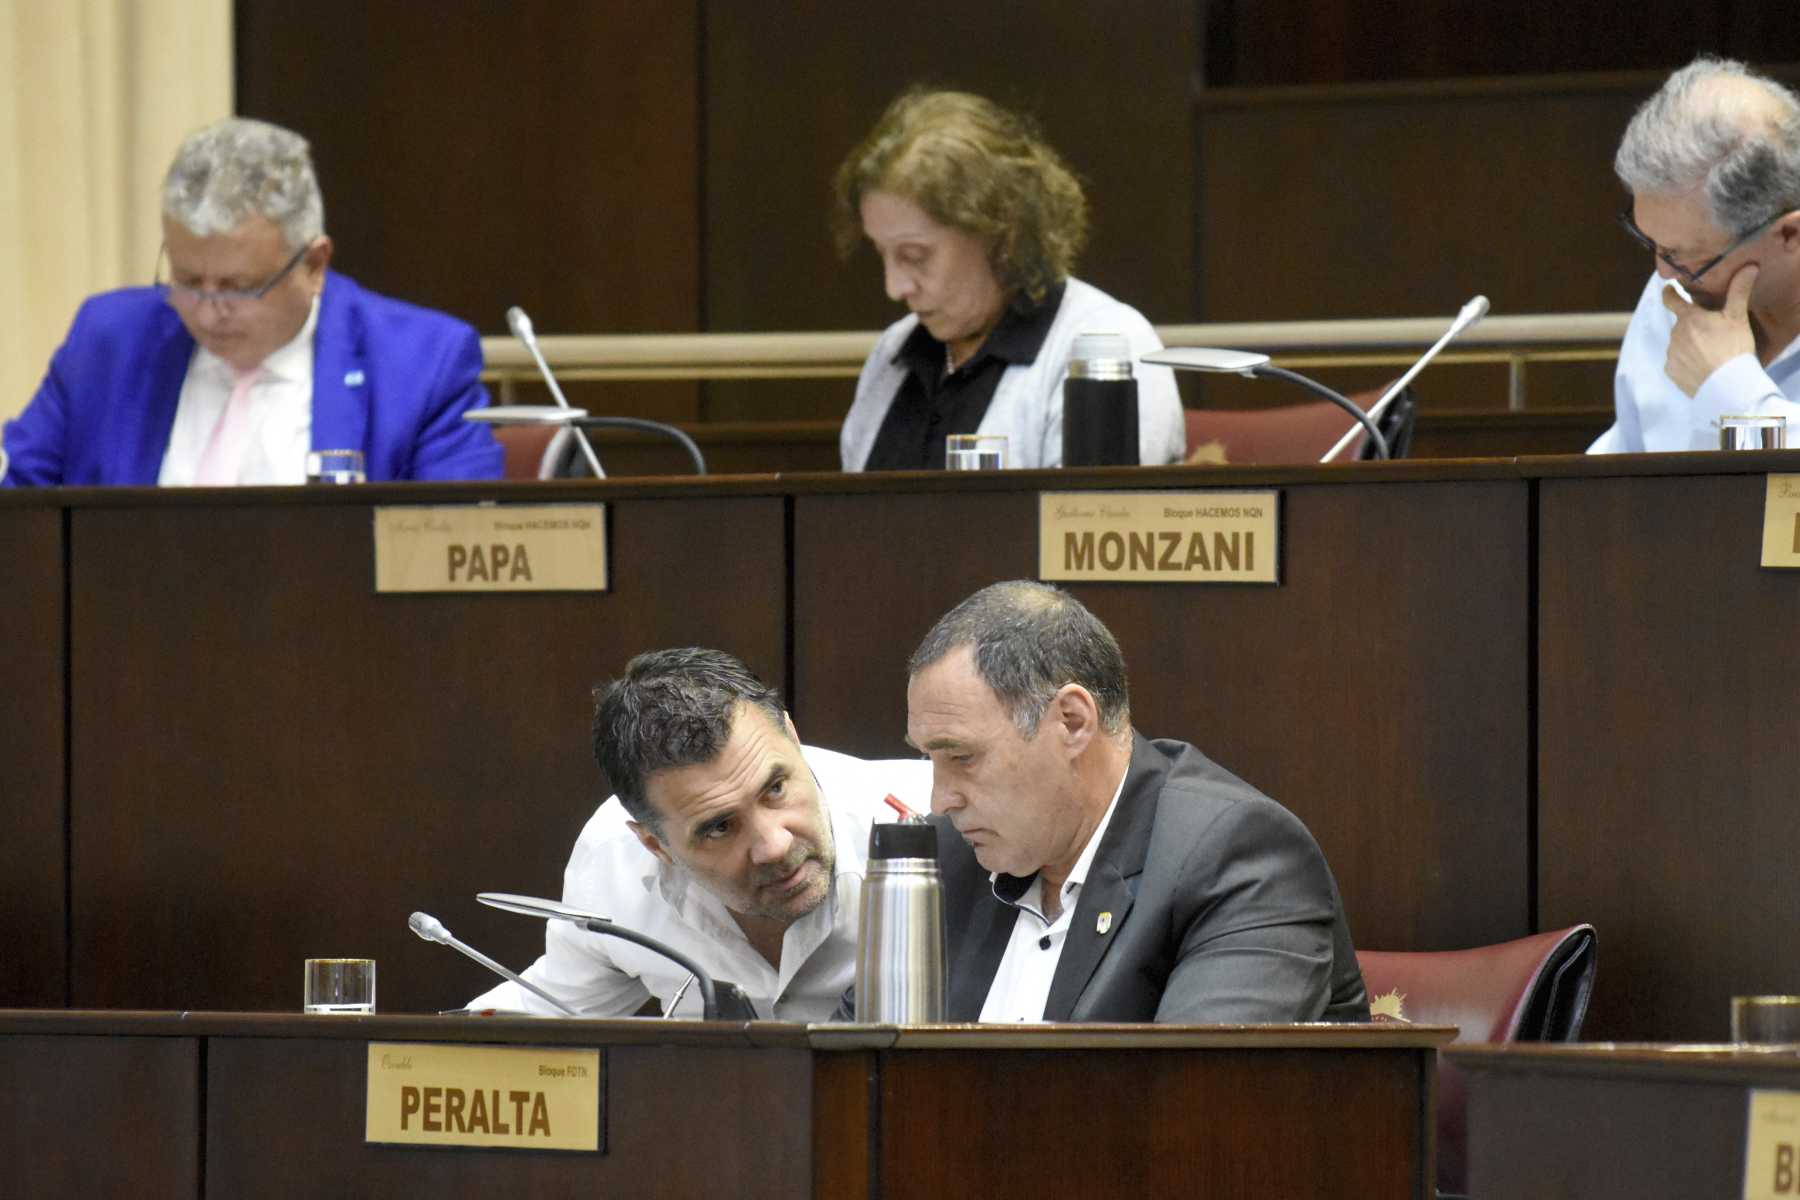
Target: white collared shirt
x,y
612,875
280,415
1021,986
1651,413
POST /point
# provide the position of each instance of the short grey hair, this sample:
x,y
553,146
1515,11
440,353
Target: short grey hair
x,y
1028,640
1721,128
240,168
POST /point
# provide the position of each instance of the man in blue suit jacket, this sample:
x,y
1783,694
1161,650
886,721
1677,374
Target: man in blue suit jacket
x,y
252,352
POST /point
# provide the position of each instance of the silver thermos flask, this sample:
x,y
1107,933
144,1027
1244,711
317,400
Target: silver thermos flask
x,y
1100,403
900,931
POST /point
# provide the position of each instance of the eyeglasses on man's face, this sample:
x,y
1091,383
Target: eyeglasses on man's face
x,y
182,296
1689,276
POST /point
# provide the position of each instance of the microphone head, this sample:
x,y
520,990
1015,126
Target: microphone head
x,y
427,927
1204,358
519,323
1473,311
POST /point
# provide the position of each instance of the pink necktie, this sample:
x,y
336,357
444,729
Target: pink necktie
x,y
224,451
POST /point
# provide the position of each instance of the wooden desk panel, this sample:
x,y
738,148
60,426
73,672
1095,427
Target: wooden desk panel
x,y
275,763
667,1113
772,1109
33,874
1380,692
1669,696
100,1115
1604,1120
1141,1128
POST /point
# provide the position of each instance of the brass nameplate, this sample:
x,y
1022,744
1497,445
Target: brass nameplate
x,y
491,548
1772,1145
1781,522
1159,537
518,1097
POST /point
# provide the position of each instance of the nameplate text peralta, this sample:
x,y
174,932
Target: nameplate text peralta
x,y
511,1097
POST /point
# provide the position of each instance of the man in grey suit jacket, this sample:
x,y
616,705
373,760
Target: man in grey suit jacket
x,y
1094,874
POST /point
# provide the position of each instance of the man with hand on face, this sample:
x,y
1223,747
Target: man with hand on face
x,y
1712,162
729,841
248,352
1094,874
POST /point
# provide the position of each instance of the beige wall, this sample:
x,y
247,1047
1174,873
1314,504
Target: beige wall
x,y
94,97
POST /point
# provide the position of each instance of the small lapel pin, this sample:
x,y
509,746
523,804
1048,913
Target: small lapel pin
x,y
353,379
1103,922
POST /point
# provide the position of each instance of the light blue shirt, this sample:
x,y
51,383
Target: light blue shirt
x,y
1651,413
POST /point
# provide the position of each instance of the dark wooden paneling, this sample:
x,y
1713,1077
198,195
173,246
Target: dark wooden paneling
x,y
100,1116
844,1112
476,155
1667,665
1398,605
274,763
674,1116
1339,41
33,853
1506,435
1617,1123
1146,1127
694,1110
1407,200
792,87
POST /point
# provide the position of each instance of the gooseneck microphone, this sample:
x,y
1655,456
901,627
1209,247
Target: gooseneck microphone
x,y
432,930
1471,313
520,324
720,1001
1250,364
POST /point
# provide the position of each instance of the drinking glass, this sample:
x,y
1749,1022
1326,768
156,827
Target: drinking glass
x,y
1765,1020
339,985
1753,433
335,466
975,452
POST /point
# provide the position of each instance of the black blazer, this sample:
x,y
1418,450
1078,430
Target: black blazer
x,y
1222,910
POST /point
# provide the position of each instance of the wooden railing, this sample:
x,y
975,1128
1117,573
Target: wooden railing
x,y
1517,341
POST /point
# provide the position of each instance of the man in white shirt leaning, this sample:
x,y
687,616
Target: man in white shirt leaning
x,y
1712,162
728,840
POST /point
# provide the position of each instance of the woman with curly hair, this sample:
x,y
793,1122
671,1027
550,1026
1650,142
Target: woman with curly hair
x,y
977,223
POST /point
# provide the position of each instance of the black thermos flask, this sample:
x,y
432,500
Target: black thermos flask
x,y
1100,403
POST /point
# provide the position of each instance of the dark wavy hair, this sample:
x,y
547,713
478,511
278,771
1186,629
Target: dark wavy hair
x,y
974,166
671,708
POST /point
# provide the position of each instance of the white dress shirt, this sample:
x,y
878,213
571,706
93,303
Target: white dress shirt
x,y
1651,413
612,875
1021,985
280,416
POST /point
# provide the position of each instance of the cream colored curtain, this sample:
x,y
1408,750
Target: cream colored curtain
x,y
94,97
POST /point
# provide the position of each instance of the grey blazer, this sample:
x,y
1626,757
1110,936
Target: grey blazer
x,y
1223,910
